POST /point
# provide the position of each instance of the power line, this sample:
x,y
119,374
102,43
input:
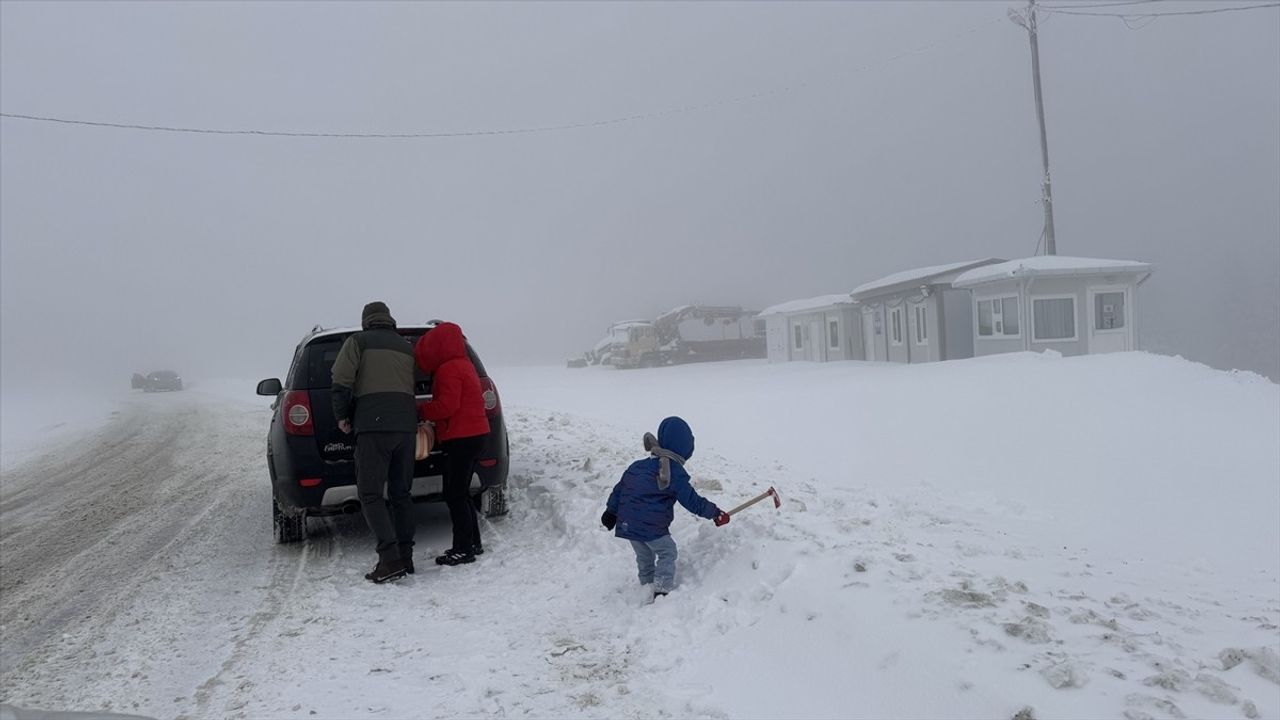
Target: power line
x,y
657,114
1129,15
294,133
1100,5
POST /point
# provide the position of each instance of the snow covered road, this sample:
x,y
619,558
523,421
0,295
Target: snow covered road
x,y
137,571
132,531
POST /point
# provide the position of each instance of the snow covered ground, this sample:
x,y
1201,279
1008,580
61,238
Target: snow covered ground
x,y
32,422
1083,537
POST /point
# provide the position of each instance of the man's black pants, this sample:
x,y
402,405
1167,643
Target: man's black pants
x,y
385,459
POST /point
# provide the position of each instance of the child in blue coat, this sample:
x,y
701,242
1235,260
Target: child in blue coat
x,y
641,504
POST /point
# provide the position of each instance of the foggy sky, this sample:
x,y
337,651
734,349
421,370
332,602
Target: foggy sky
x,y
126,251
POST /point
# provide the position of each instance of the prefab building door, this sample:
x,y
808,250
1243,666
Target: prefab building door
x,y
815,345
1110,319
872,322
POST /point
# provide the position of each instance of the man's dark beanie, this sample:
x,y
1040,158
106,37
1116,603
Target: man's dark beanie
x,y
376,314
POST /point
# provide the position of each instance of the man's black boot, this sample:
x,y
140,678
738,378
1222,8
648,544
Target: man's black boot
x,y
389,566
406,556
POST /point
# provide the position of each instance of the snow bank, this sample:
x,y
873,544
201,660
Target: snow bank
x,y
1077,537
1144,458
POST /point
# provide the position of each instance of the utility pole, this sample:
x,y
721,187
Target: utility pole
x,y
1029,22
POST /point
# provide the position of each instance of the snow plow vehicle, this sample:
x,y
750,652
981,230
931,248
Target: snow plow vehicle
x,y
633,344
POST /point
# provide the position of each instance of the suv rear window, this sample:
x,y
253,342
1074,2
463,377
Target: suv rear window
x,y
321,354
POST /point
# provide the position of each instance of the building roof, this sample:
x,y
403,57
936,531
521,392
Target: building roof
x,y
1048,265
700,311
629,323
909,279
807,304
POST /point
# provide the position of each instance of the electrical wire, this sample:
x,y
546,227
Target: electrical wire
x,y
1137,24
1099,5
1172,13
654,115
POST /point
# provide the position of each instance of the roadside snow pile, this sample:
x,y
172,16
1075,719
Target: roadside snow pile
x,y
958,539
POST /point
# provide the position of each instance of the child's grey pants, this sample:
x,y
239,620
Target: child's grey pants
x,y
656,560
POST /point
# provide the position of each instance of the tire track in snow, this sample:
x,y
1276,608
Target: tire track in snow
x,y
286,576
100,589
87,530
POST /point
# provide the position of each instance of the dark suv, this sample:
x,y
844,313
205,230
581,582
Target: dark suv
x,y
162,380
312,462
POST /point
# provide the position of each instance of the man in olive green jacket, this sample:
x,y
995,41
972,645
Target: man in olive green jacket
x,y
373,397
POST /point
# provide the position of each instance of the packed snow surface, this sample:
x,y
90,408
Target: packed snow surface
x,y
1058,537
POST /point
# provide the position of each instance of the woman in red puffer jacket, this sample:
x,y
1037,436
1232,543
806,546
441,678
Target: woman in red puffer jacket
x,y
457,409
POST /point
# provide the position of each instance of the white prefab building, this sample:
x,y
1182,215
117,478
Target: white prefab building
x,y
916,316
817,329
1073,305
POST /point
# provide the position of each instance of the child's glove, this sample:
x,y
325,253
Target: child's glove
x,y
608,520
722,518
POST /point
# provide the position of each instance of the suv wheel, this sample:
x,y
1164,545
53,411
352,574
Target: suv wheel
x,y
493,502
288,528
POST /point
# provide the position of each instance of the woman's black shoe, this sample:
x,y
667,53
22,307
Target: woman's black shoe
x,y
453,557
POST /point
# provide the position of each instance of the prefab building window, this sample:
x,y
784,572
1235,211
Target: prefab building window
x,y
922,325
998,317
895,325
1053,318
833,334
1108,310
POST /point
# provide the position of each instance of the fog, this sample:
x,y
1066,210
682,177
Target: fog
x,y
784,151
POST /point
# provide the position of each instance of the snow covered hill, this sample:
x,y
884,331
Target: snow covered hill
x,y
1083,537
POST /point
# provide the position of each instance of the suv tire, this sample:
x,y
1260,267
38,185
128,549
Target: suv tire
x,y
493,502
287,528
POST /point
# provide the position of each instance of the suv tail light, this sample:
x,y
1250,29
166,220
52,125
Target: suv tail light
x,y
492,403
297,413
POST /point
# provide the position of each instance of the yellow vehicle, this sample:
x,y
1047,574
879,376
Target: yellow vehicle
x,y
633,344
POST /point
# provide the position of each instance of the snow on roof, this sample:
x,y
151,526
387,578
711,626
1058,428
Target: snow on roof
x,y
628,323
813,303
674,311
701,311
917,276
1042,265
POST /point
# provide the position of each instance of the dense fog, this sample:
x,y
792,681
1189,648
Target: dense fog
x,y
774,152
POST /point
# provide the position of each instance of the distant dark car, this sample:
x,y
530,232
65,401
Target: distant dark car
x,y
311,461
138,382
162,380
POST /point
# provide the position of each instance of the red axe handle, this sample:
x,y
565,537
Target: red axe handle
x,y
756,499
